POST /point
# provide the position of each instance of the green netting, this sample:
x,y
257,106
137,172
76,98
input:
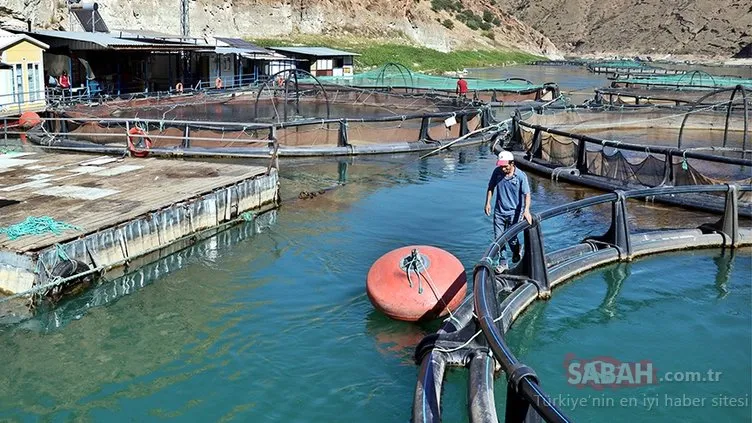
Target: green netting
x,y
692,79
621,64
36,226
398,76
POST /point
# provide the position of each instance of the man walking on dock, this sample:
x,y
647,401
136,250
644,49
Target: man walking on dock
x,y
461,90
512,201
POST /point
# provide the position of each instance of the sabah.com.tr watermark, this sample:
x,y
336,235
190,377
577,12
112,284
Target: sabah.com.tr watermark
x,y
609,372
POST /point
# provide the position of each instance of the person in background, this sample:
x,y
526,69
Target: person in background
x,y
51,81
512,202
461,90
64,81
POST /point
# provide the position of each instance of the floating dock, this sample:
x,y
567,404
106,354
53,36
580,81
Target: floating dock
x,y
119,209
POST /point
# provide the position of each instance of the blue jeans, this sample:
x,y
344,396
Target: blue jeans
x,y
501,224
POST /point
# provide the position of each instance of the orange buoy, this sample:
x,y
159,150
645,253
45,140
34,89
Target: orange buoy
x,y
29,120
417,282
141,147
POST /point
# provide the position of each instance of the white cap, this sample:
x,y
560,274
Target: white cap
x,y
504,158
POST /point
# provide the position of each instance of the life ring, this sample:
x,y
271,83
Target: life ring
x,y
142,145
179,87
218,83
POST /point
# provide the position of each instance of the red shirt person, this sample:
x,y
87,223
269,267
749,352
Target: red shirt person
x,y
461,87
64,82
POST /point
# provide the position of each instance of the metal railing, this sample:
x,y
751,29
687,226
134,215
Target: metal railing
x,y
537,274
499,298
110,135
581,162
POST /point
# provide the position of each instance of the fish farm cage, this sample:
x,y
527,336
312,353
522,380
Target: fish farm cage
x,y
310,137
474,337
592,149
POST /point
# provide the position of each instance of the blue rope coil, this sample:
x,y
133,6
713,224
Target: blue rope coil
x,y
36,226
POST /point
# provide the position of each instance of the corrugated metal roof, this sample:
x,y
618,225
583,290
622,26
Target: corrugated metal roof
x,y
272,57
98,40
314,51
146,33
269,55
230,50
243,44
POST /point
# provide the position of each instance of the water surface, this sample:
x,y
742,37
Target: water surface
x,y
270,322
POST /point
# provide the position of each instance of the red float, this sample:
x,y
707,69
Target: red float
x,y
417,282
29,120
141,147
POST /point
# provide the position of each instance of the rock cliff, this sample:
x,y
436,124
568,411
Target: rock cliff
x,y
444,25
712,28
716,28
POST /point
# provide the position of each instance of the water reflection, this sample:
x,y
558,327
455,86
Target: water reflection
x,y
725,263
395,339
112,287
229,330
614,278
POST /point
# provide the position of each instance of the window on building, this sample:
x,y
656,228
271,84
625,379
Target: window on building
x,y
7,97
19,83
339,62
32,73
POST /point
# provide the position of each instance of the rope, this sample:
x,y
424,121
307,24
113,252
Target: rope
x,y
6,150
415,264
36,226
496,128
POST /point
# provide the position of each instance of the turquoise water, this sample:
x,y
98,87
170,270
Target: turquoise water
x,y
685,314
270,321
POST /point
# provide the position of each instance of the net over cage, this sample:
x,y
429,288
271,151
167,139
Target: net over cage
x,y
640,147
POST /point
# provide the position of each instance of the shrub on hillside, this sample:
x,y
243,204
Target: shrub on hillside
x,y
448,5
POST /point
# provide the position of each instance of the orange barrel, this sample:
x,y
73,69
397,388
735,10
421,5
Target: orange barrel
x,y
417,282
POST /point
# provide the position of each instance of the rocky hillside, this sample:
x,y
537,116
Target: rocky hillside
x,y
440,24
715,28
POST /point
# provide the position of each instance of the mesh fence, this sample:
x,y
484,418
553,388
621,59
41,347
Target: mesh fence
x,y
400,79
170,134
270,103
696,79
640,167
619,64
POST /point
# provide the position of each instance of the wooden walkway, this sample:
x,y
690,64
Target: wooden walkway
x,y
93,193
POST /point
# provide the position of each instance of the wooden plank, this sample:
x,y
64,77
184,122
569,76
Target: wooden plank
x,y
100,196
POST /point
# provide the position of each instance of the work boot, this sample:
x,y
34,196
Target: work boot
x,y
501,266
516,256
